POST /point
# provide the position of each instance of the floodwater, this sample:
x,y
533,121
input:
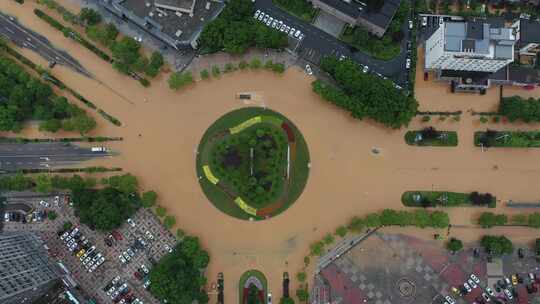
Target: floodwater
x,y
162,129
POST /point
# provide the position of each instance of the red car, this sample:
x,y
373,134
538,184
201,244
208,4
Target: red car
x,y
117,235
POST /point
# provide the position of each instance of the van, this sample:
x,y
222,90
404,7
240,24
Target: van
x,y
99,149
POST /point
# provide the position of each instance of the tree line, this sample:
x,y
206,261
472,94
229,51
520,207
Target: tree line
x,y
365,95
24,97
517,108
235,30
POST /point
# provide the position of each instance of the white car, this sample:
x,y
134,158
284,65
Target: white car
x,y
475,278
292,31
130,252
450,300
280,23
265,18
301,36
308,70
274,23
467,287
472,283
283,27
149,235
508,294
424,21
297,34
111,290
490,291
65,235
257,13
408,63
145,269
131,222
6,217
269,21
269,301
146,284
168,248
126,256
115,280
262,16
365,69
56,200
410,24
44,204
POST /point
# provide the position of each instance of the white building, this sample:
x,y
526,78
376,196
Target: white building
x,y
469,46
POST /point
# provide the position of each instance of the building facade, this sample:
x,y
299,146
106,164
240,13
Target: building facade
x,y
469,46
26,273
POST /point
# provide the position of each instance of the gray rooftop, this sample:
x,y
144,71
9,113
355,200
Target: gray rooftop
x,y
478,37
354,9
176,4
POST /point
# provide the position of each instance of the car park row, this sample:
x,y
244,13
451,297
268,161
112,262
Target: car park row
x,y
278,25
120,293
503,290
83,250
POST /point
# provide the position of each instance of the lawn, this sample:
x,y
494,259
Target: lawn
x,y
441,198
225,202
507,139
299,8
259,275
433,138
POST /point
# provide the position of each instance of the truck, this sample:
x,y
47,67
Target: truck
x,y
99,149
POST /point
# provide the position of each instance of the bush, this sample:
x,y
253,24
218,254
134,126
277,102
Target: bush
x,y
243,65
216,71
268,64
516,108
161,211
426,118
156,62
229,67
278,68
51,215
341,231
67,225
169,221
89,16
205,74
490,219
301,276
178,80
328,239
148,199
255,64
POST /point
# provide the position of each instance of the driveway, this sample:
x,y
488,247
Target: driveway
x,y
318,44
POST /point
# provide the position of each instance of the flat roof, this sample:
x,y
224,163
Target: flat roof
x,y
354,9
172,24
175,4
529,32
524,74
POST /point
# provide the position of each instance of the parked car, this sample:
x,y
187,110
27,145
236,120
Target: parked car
x,y
410,24
408,63
269,301
297,34
269,21
450,300
292,31
508,294
145,269
308,69
168,248
514,280
424,21
475,278
467,287
365,69
490,291
131,222
257,13
472,283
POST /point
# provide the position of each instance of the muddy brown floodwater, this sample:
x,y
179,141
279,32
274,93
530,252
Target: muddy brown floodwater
x,y
162,129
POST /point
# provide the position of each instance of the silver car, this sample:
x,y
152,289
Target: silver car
x,y
262,16
269,21
292,31
265,18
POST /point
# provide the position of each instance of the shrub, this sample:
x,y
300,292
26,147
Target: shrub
x,y
426,118
229,67
51,215
497,245
306,261
255,64
456,118
178,80
148,199
341,231
279,68
483,119
268,65
301,276
67,225
215,71
328,239
243,65
205,74
161,211
169,221
490,219
144,82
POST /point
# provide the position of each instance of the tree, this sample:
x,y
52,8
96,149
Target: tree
x,y
497,245
301,276
205,74
67,225
169,221
215,71
454,245
81,123
519,219
490,219
180,234
316,249
51,125
302,294
255,64
178,80
43,184
51,215
180,270
328,239
161,211
148,199
89,16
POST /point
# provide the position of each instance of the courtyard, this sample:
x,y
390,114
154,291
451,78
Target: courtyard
x,y
162,130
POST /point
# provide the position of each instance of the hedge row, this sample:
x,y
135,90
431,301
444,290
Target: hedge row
x,y
442,139
109,117
507,139
66,170
447,199
69,32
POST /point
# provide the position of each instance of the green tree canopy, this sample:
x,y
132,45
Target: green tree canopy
x,y
126,183
497,245
454,245
176,277
149,199
89,16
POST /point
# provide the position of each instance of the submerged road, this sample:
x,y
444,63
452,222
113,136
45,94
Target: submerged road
x,y
43,155
23,37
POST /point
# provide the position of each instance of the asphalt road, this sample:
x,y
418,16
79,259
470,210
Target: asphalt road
x,y
317,44
23,37
43,155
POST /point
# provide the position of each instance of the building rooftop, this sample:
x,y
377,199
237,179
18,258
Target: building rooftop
x,y
479,38
184,5
178,25
355,9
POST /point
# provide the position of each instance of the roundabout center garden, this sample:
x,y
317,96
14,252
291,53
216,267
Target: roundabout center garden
x,y
252,163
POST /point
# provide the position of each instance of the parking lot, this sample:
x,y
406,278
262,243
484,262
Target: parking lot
x,y
144,240
404,269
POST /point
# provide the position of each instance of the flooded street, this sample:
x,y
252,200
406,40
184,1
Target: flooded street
x,y
162,128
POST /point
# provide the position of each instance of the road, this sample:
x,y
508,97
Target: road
x,y
23,37
317,44
43,155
